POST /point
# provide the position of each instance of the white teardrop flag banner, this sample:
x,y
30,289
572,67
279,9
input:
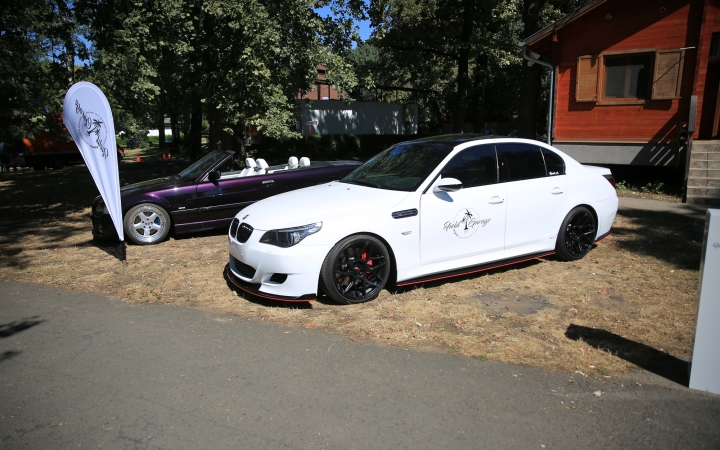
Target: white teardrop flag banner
x,y
88,118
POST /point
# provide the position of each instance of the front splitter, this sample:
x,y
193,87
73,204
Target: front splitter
x,y
253,289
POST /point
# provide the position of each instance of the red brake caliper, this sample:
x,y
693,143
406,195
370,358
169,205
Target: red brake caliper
x,y
369,263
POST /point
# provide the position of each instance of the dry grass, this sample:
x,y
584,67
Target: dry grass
x,y
630,302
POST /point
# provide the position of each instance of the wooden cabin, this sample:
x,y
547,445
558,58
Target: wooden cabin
x,y
633,79
322,90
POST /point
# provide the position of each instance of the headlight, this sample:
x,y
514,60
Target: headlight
x,y
287,237
100,208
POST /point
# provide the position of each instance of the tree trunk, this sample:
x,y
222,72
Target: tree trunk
x,y
529,95
186,126
216,128
239,139
196,126
463,62
175,127
531,76
478,95
161,131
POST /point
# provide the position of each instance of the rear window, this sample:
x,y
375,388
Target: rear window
x,y
524,161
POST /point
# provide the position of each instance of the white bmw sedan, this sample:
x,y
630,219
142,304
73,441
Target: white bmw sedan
x,y
419,211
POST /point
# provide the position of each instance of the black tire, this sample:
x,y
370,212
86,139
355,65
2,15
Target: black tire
x,y
38,166
58,164
577,234
356,270
146,224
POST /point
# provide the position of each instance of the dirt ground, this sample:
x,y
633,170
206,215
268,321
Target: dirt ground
x,y
630,303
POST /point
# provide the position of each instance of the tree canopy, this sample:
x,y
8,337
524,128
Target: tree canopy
x,y
229,64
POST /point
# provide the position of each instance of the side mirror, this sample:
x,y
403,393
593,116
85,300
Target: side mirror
x,y
214,175
447,185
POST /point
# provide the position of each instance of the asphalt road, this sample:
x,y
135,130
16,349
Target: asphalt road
x,y
85,371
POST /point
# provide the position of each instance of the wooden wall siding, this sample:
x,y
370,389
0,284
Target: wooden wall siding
x,y
706,77
636,24
322,89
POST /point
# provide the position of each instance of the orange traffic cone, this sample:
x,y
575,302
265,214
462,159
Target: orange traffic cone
x,y
169,156
138,159
163,156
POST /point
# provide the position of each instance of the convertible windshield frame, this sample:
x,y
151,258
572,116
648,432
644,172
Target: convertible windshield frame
x,y
402,167
202,166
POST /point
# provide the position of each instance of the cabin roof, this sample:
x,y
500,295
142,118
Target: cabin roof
x,y
548,30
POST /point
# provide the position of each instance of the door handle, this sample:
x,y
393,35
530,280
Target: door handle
x,y
556,191
496,200
268,181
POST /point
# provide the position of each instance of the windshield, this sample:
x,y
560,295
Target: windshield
x,y
402,167
202,165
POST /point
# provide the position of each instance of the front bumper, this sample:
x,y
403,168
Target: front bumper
x,y
287,274
103,227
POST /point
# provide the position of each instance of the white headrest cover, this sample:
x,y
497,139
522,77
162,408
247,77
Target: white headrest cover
x,y
249,162
304,161
262,164
292,162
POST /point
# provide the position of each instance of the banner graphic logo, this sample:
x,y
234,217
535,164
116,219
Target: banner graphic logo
x,y
92,129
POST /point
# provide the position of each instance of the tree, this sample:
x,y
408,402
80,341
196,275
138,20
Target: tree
x,y
238,62
536,14
39,43
450,34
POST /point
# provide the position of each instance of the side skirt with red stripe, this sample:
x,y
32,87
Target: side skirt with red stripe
x,y
473,269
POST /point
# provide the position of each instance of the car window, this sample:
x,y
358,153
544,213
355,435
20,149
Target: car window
x,y
554,163
199,167
402,167
524,161
231,165
474,166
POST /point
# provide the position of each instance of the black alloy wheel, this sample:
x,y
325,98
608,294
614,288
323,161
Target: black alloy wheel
x,y
355,270
577,234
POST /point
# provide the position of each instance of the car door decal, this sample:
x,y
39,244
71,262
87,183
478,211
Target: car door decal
x,y
465,223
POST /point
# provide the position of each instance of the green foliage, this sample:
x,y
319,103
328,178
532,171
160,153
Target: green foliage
x,y
39,41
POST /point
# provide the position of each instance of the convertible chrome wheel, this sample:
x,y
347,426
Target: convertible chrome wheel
x,y
577,234
147,224
355,270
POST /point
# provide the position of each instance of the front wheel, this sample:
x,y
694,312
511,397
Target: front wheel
x,y
355,270
146,224
577,234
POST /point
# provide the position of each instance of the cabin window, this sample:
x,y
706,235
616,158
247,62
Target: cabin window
x,y
629,77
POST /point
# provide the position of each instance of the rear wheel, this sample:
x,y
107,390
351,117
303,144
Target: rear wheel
x,y
147,224
577,234
355,270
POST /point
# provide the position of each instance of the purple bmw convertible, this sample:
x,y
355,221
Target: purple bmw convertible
x,y
207,194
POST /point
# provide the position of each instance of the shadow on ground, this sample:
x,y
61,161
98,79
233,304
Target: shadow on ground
x,y
11,328
673,238
49,204
650,359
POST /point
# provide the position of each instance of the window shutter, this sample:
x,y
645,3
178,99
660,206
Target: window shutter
x,y
587,79
668,74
